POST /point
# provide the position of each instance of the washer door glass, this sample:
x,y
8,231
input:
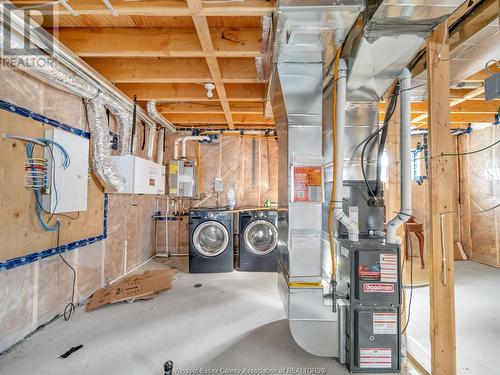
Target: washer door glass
x,y
260,237
210,238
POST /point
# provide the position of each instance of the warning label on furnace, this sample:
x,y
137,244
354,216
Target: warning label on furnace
x,y
375,358
388,268
385,324
307,184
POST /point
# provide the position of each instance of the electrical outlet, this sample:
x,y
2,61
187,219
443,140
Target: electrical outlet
x,y
218,185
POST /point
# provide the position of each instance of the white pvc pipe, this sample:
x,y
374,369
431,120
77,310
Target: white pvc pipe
x,y
158,117
405,150
160,144
191,138
151,141
176,148
352,227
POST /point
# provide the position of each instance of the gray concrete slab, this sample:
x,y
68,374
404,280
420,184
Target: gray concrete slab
x,y
477,310
233,320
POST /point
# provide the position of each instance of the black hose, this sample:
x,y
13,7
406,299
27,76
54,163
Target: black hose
x,y
143,135
383,138
372,138
134,118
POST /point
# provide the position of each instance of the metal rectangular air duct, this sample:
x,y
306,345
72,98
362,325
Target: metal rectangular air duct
x,y
387,38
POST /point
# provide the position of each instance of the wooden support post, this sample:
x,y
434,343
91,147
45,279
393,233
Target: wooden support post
x,y
442,299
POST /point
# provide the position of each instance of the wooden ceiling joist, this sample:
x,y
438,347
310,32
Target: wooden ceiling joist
x,y
135,70
177,92
210,108
470,106
454,102
158,42
479,14
149,70
208,46
457,118
211,119
159,8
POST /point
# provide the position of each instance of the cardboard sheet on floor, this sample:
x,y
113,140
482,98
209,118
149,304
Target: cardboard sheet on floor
x,y
143,286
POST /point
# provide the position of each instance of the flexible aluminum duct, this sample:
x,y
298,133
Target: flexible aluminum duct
x,y
124,117
54,73
101,152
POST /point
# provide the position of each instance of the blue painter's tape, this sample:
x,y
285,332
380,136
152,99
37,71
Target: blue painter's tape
x,y
30,258
40,118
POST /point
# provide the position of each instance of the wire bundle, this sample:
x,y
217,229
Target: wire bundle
x,y
36,174
37,165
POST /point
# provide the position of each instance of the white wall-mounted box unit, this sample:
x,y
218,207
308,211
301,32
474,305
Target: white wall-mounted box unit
x,y
143,176
67,187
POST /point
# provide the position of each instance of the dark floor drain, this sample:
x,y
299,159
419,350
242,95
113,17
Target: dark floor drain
x,y
197,285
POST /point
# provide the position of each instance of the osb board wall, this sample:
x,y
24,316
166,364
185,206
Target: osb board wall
x,y
480,180
249,166
21,234
33,294
420,200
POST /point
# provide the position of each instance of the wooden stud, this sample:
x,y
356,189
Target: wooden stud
x,y
465,198
441,174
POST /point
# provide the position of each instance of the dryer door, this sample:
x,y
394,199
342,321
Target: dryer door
x,y
260,237
210,238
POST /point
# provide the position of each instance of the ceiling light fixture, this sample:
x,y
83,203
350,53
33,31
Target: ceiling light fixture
x,y
209,87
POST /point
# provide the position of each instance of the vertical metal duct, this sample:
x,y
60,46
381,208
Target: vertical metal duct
x,y
304,30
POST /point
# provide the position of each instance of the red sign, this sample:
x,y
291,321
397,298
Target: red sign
x,y
307,184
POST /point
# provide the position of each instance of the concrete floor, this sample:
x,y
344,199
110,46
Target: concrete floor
x,y
477,309
234,320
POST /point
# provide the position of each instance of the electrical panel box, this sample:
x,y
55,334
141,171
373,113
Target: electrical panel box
x,y
143,176
218,185
492,87
369,282
67,188
181,178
